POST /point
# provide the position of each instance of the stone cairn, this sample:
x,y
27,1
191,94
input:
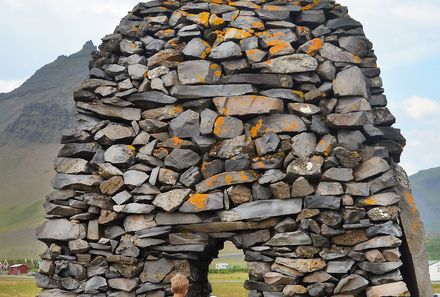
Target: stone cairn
x,y
259,122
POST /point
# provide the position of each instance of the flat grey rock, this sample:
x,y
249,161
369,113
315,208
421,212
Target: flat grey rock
x,y
60,230
290,239
226,50
262,209
180,159
171,200
193,92
350,82
293,63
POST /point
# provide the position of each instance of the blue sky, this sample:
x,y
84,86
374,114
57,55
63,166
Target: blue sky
x,y
405,35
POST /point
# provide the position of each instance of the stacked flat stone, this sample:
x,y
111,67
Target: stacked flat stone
x,y
260,122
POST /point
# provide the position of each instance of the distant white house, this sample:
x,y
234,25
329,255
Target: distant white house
x,y
221,266
434,271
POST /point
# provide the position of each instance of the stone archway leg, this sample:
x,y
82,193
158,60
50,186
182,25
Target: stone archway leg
x,y
413,239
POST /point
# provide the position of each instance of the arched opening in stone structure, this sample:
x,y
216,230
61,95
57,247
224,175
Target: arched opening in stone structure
x,y
228,272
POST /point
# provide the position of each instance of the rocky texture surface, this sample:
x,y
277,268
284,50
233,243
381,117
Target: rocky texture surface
x,y
250,121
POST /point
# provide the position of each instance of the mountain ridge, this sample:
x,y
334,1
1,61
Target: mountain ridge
x,y
31,120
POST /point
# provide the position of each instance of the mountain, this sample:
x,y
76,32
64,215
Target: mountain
x,y
426,190
31,120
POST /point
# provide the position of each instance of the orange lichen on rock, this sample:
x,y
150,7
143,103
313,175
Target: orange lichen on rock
x,y
233,33
258,25
413,208
273,8
311,5
215,21
243,176
176,141
274,50
218,125
228,179
370,201
315,45
255,129
198,200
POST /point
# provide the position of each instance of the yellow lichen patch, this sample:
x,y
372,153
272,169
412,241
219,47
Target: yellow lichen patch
x,y
357,59
198,200
218,125
216,21
217,1
315,45
233,33
298,93
273,8
218,73
327,150
204,19
133,45
200,78
258,25
311,5
413,209
132,148
256,129
370,201
228,179
250,4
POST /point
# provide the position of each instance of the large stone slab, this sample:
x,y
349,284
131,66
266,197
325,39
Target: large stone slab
x,y
227,179
262,209
290,239
289,64
248,105
302,265
193,92
276,123
171,200
60,230
112,112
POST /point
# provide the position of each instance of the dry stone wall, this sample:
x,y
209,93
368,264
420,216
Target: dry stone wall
x,y
260,122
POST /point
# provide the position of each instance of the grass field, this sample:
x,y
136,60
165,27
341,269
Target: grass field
x,y
17,286
223,285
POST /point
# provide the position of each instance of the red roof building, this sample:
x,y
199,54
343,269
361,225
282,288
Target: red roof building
x,y
18,269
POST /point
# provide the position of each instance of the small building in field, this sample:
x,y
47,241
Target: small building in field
x,y
18,269
434,271
221,266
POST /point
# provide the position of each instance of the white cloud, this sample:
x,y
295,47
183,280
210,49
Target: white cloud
x,y
422,14
419,107
8,85
418,118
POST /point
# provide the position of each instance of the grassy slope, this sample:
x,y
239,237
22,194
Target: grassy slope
x,y
25,175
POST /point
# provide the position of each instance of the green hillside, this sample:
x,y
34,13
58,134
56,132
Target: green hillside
x,y
31,120
426,189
